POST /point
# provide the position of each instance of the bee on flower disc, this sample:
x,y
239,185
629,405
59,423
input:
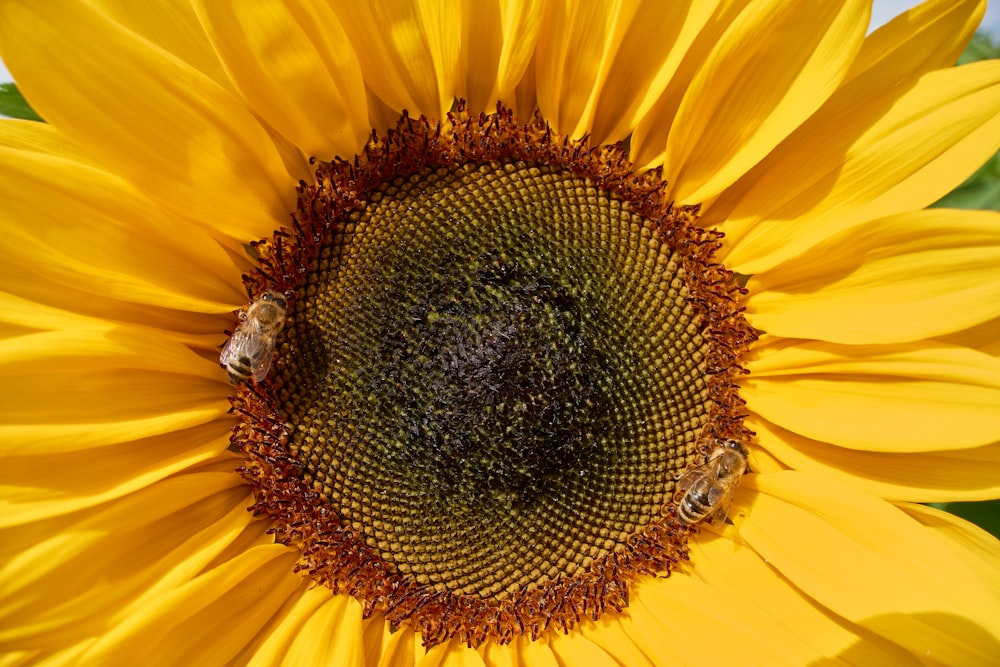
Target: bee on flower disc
x,y
250,349
706,492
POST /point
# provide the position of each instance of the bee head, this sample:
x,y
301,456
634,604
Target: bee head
x,y
735,445
274,297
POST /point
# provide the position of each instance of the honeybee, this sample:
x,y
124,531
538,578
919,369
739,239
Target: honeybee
x,y
250,349
706,492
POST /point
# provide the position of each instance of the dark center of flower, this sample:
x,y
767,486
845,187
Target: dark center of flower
x,y
491,373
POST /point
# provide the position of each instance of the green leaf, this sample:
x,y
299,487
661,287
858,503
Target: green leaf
x,y
13,105
980,48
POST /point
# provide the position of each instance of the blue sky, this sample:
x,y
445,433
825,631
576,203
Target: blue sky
x,y
882,11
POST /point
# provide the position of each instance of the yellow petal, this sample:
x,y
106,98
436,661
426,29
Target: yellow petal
x,y
524,98
608,632
643,63
601,66
649,141
381,116
72,227
295,68
536,653
788,618
166,127
647,632
689,616
75,389
981,550
66,657
961,474
773,68
576,649
403,649
453,653
375,634
863,156
297,610
568,58
409,51
23,316
89,566
872,564
898,279
889,398
941,28
330,636
890,62
984,337
499,655
36,486
195,622
498,41
172,26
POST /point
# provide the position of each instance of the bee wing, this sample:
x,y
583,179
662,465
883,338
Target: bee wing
x,y
690,478
261,361
722,511
235,346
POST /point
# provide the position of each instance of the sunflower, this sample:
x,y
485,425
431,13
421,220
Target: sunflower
x,y
465,452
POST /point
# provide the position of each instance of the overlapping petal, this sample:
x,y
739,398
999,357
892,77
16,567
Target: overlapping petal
x,y
927,476
451,654
950,617
35,486
192,622
899,279
415,64
289,625
173,27
152,118
681,622
982,337
403,648
761,591
895,398
649,140
929,36
498,41
110,385
863,156
332,635
293,65
609,632
19,316
141,547
80,238
978,548
713,140
601,66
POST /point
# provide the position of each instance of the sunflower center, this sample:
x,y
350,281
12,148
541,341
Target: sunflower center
x,y
491,373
